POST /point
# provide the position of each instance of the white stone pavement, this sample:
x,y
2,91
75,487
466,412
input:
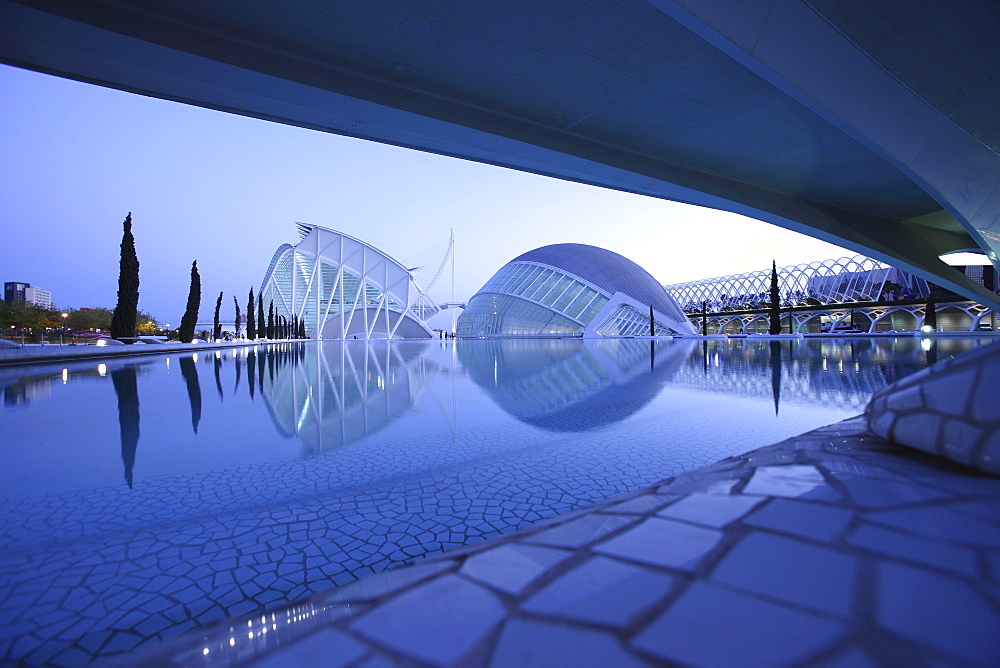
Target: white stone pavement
x,y
833,548
54,352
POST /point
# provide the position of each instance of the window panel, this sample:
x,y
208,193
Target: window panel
x,y
536,283
525,279
551,278
581,303
567,297
557,290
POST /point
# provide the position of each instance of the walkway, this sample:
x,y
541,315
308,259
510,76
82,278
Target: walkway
x,y
56,353
833,548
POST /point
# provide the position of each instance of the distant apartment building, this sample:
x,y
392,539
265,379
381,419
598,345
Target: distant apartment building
x,y
38,297
15,291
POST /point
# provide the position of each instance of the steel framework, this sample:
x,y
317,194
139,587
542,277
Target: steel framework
x,y
838,280
342,288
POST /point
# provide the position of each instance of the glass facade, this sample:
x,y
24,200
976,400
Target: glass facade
x,y
560,290
334,284
628,321
526,299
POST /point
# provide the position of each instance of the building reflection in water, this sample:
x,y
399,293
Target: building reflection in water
x,y
840,373
573,384
335,393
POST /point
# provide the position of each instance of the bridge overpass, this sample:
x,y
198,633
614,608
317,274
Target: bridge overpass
x,y
869,125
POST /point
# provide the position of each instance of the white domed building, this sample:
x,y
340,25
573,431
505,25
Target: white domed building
x,y
567,290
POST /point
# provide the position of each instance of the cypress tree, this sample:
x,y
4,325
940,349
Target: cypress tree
x,y
930,312
251,326
217,328
774,311
270,320
124,317
238,319
261,323
190,317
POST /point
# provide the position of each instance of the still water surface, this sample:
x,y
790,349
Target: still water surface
x,y
144,498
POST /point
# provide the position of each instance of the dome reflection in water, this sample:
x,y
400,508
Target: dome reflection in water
x,y
573,385
143,497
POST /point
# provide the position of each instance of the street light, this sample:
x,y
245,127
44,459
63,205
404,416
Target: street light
x,y
63,330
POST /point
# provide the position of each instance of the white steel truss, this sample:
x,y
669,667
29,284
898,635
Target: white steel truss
x,y
843,279
342,288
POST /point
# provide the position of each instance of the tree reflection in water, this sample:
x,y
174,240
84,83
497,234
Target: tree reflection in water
x,y
127,391
190,374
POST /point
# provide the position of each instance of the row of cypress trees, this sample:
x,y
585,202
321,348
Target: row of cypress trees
x,y
276,326
123,319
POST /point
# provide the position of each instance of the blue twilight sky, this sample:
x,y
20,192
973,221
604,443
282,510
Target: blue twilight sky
x,y
226,190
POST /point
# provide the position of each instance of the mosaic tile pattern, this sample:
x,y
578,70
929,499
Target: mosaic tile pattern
x,y
782,556
107,570
951,409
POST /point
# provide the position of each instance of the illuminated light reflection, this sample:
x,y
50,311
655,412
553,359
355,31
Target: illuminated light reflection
x,y
102,369
925,344
65,375
232,642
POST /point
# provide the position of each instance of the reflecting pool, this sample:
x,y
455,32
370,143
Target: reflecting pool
x,y
146,497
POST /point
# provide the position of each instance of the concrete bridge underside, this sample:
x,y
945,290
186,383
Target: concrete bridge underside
x,y
869,125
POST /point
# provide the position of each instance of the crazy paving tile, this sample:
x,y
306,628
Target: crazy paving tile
x,y
326,647
512,567
710,626
541,644
815,521
601,591
937,611
891,543
791,570
711,510
790,481
664,543
411,623
581,531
